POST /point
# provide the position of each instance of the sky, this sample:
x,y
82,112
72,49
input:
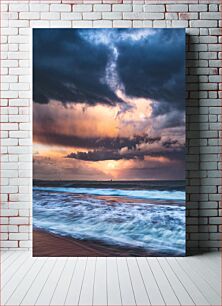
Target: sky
x,y
108,104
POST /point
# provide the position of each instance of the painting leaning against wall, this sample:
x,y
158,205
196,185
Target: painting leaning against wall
x,y
109,142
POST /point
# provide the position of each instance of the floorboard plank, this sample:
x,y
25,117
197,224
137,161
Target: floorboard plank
x,y
39,282
181,293
48,290
190,286
11,261
127,293
8,288
208,292
5,255
73,294
100,283
214,279
13,270
110,281
18,294
113,286
139,288
166,289
61,291
86,294
152,288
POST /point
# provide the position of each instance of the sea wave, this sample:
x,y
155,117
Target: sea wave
x,y
121,223
142,194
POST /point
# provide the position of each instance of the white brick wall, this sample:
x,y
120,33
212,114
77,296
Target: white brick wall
x,y
200,17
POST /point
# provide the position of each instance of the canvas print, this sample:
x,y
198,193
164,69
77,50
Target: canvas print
x,y
109,142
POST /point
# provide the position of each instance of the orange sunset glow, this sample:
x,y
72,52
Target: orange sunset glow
x,y
106,114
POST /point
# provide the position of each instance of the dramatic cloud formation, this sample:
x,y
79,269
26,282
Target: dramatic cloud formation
x,y
139,147
108,103
89,65
158,61
67,68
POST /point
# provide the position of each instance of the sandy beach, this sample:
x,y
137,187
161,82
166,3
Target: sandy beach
x,y
46,244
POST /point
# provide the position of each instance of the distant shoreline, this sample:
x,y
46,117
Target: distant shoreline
x,y
105,181
142,184
50,245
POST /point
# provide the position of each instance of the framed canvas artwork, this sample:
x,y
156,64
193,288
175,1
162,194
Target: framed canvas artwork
x,y
109,142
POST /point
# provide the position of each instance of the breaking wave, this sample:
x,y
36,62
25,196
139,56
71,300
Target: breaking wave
x,y
119,217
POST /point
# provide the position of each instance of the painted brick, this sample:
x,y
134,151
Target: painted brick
x,y
102,7
154,8
171,16
25,244
209,15
82,24
9,126
51,16
9,63
60,24
137,7
147,23
122,7
187,16
112,15
19,220
9,31
161,23
102,24
122,23
18,7
139,23
24,229
197,7
135,15
93,15
39,7
213,7
19,118
60,7
177,8
18,236
29,15
9,244
203,23
180,23
4,7
18,23
82,7
71,16
215,220
9,212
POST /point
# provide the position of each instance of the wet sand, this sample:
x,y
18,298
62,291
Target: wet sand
x,y
50,245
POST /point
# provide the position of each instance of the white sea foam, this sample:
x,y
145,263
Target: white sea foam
x,y
138,223
141,194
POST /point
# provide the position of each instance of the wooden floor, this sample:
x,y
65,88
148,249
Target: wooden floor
x,y
110,281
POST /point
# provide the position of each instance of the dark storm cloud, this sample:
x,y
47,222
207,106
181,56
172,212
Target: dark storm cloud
x,y
68,68
96,155
128,149
154,68
99,155
94,142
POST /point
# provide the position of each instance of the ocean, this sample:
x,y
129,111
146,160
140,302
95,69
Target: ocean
x,y
140,215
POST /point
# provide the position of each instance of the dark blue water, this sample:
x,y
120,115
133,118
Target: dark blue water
x,y
151,219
